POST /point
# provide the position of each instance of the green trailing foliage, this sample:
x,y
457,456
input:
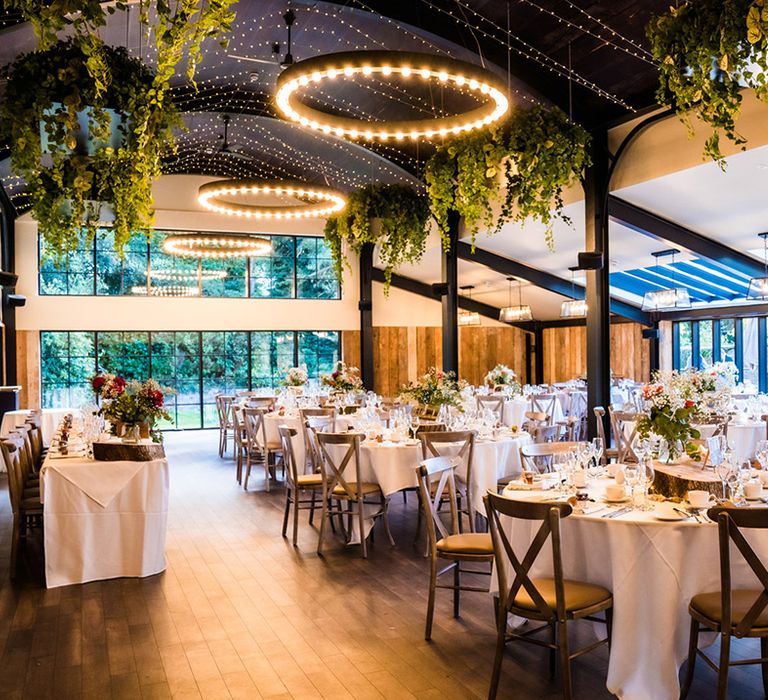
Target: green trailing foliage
x,y
707,51
48,89
393,217
525,163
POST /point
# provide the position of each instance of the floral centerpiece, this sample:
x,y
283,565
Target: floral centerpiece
x,y
132,404
503,376
435,389
296,377
672,400
343,378
724,374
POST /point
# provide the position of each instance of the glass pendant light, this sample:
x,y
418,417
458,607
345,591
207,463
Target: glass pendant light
x,y
520,312
667,299
468,318
573,308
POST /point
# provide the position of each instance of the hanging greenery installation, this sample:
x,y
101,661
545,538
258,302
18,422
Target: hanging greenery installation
x,y
524,164
393,217
707,51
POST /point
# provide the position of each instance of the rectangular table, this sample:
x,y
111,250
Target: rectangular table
x,y
103,519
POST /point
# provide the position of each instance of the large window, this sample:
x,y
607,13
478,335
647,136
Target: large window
x,y
298,267
197,364
739,340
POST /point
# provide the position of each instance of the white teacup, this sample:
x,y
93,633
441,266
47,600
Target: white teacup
x,y
579,478
763,474
613,468
753,490
615,492
701,499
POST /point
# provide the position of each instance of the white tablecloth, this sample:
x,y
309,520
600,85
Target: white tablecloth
x,y
50,421
742,437
515,409
103,519
653,569
393,465
272,421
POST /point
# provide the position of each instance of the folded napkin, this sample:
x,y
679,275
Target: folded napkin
x,y
100,481
522,486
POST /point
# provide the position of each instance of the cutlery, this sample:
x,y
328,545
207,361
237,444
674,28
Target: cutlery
x,y
619,512
686,514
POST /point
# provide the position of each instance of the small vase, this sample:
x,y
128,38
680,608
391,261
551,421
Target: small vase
x,y
671,451
132,433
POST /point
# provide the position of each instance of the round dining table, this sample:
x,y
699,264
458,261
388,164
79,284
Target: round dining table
x,y
515,410
653,568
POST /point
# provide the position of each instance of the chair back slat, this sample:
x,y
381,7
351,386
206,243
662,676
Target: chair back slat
x,y
255,428
730,521
549,515
289,458
440,472
334,470
491,403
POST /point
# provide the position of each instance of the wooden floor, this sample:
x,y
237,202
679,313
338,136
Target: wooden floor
x,y
241,613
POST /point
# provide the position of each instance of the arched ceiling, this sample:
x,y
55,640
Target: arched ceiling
x,y
611,75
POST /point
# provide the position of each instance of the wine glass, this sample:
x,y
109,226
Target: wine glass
x,y
598,447
646,475
723,470
632,478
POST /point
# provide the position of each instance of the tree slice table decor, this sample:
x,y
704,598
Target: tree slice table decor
x,y
675,480
117,450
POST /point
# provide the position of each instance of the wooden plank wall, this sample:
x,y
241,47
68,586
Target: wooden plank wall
x,y
390,359
28,368
565,352
483,347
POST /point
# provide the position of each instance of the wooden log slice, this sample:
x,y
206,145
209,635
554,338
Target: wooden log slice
x,y
122,451
675,480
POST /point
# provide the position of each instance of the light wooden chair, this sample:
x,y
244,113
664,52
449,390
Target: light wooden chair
x,y
537,457
266,403
224,405
327,412
546,433
27,509
624,428
491,403
534,420
297,483
437,486
608,451
457,443
544,403
732,612
259,448
239,440
342,486
553,601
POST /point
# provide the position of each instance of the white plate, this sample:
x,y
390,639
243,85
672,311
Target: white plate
x,y
625,499
669,515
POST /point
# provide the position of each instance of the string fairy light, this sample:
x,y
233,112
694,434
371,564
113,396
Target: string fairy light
x,y
217,246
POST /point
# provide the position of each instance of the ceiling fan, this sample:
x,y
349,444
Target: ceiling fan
x,y
226,147
289,17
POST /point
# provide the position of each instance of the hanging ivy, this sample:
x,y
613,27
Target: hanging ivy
x,y
707,51
393,217
49,93
50,88
524,163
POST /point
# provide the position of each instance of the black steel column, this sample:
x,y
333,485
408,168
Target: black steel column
x,y
366,315
8,358
598,286
450,298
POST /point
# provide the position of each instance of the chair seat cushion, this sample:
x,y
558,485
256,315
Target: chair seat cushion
x,y
708,605
578,595
364,488
466,543
308,480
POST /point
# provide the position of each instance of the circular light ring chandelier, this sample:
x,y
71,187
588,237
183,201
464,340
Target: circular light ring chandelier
x,y
314,202
168,291
181,276
215,245
384,64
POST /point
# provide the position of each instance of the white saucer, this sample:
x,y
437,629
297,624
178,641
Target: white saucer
x,y
669,515
625,499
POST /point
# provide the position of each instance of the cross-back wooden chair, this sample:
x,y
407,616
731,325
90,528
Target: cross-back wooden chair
x,y
25,506
552,600
456,443
624,428
326,412
732,612
239,440
608,451
491,403
544,403
343,486
264,402
36,443
535,419
537,457
224,404
437,486
258,447
546,433
297,483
